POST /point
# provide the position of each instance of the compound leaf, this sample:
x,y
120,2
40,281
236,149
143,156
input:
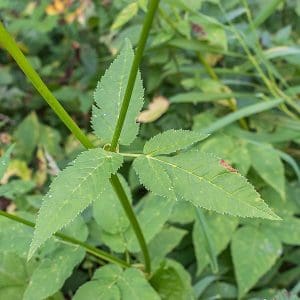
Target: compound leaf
x,y
171,141
109,95
72,191
111,282
204,180
254,252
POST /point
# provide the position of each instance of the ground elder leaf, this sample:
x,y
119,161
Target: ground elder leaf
x,y
200,178
72,191
171,141
109,95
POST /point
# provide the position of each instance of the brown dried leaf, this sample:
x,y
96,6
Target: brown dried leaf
x,y
156,109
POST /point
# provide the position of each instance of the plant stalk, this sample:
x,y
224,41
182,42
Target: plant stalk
x,y
88,248
153,4
134,222
8,43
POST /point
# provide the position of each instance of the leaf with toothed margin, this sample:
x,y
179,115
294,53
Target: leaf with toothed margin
x,y
171,141
204,180
109,95
72,191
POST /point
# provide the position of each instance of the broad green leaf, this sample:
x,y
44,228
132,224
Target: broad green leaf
x,y
280,206
209,244
254,252
163,243
56,259
287,230
171,141
200,286
267,163
108,211
14,276
172,282
16,237
152,213
50,139
183,212
229,148
204,180
243,112
220,290
72,191
109,95
111,282
26,136
15,188
126,14
4,159
51,273
221,228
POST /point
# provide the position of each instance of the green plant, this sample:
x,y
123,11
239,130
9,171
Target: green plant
x,y
176,167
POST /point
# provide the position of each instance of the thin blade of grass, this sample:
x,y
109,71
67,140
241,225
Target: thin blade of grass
x,y
244,112
209,243
268,9
196,97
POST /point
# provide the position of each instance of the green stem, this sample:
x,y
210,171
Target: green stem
x,y
88,248
153,4
8,43
134,222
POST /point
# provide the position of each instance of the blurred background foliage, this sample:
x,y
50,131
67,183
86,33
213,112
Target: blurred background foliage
x,y
204,60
